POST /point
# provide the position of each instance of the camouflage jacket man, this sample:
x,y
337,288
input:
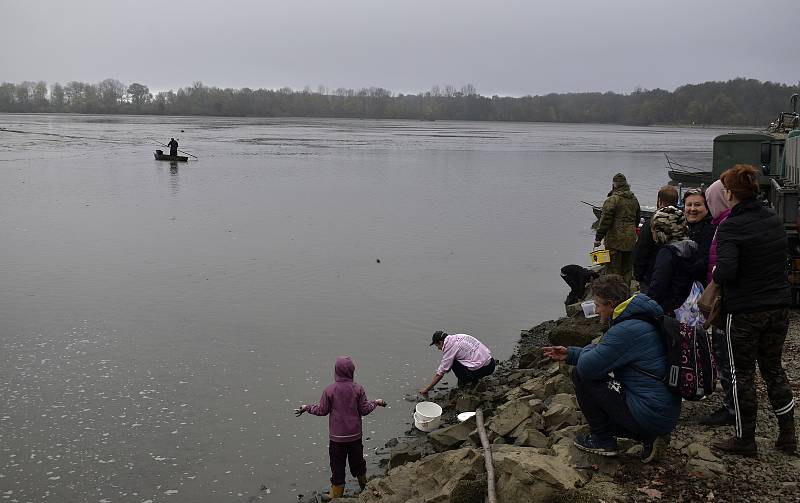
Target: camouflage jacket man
x,y
620,217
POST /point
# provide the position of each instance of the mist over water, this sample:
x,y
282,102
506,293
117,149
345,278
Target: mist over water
x,y
158,324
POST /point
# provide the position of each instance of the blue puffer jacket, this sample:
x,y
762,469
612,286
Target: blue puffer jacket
x,y
633,342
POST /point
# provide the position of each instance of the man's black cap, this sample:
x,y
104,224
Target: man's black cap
x,y
438,336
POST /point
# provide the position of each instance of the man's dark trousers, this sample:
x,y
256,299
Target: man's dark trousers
x,y
604,406
467,376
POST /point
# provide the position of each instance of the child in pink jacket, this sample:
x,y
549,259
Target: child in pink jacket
x,y
344,402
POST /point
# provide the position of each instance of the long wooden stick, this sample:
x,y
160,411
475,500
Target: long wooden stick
x,y
487,455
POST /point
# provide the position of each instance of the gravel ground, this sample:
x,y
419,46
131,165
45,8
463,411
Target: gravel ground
x,y
772,476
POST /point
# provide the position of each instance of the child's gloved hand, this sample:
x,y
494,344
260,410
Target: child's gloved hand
x,y
299,411
380,402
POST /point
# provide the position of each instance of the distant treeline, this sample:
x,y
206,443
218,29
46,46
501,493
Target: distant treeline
x,y
735,102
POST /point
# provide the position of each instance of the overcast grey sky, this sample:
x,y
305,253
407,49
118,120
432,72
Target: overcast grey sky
x,y
502,47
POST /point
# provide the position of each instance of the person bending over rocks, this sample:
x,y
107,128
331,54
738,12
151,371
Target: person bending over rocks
x,y
465,355
630,404
344,402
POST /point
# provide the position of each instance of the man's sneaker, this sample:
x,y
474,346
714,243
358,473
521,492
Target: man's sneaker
x,y
590,443
741,446
720,417
655,449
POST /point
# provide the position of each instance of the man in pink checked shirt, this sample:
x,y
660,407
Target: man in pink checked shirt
x,y
465,355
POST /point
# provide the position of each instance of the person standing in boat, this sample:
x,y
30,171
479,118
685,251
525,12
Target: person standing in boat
x,y
173,147
617,227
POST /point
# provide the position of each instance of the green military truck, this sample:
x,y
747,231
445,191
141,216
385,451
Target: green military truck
x,y
777,152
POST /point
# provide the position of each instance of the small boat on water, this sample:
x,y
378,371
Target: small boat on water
x,y
690,178
647,211
160,156
687,175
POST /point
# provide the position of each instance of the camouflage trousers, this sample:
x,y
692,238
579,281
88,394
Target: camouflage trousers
x,y
622,264
757,338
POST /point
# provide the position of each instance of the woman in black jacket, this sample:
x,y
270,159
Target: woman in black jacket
x,y
701,230
752,251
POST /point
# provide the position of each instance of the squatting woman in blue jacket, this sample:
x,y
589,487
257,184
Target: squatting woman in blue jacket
x,y
615,396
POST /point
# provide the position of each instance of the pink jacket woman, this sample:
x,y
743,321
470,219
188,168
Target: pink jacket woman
x,y
718,207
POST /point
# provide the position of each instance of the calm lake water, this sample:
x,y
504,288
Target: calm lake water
x,y
158,324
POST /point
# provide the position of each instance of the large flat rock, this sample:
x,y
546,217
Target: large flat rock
x,y
509,416
430,480
578,331
453,436
524,474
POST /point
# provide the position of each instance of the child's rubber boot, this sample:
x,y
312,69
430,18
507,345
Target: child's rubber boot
x,y
362,481
336,492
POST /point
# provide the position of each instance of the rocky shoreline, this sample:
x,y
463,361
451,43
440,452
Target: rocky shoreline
x,y
532,418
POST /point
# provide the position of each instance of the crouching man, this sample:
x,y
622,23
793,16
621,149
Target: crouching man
x,y
615,380
468,358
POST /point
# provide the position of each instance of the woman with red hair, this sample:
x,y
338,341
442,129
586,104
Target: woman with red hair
x,y
752,251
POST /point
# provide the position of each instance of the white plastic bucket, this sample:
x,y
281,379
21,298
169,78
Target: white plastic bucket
x,y
428,411
426,425
588,309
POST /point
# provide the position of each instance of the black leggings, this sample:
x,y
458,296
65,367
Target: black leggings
x,y
343,452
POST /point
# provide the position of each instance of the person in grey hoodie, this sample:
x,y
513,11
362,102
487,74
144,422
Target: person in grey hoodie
x,y
344,402
673,271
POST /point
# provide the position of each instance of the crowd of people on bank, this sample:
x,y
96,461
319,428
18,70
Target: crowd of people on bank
x,y
724,235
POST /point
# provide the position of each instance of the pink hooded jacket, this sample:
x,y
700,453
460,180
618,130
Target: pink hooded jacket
x,y
344,402
718,207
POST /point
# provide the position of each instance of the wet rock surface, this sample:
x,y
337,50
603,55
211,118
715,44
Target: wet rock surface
x,y
433,478
532,417
451,437
575,331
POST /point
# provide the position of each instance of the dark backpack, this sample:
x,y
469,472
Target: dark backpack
x,y
692,366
